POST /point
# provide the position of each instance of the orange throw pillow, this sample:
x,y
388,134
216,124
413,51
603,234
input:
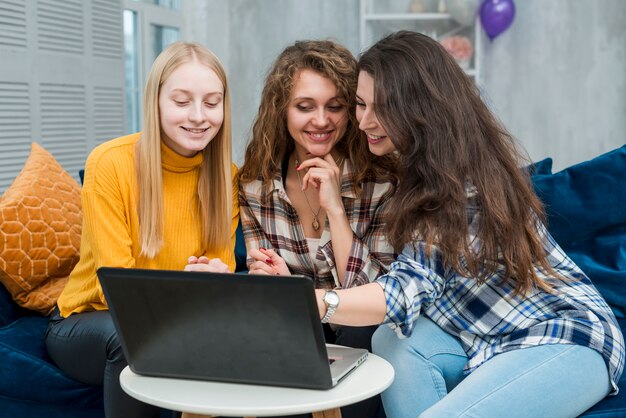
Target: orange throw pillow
x,y
40,226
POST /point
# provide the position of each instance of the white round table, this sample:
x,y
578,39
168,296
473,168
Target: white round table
x,y
232,399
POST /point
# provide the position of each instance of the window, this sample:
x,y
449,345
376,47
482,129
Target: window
x,y
131,71
149,27
170,4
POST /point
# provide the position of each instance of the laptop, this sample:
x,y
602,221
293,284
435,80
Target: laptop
x,y
239,328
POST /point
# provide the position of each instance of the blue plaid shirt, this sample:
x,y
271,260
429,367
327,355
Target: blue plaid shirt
x,y
488,319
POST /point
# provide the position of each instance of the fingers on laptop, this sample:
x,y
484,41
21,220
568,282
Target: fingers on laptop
x,y
218,265
195,260
204,264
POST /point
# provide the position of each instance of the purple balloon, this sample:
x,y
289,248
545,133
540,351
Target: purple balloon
x,y
496,16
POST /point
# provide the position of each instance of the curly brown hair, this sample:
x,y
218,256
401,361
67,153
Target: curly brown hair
x,y
271,142
447,139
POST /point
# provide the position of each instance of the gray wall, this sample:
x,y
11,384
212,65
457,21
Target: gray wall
x,y
247,35
556,78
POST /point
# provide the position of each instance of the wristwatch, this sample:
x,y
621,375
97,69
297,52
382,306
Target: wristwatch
x,y
331,299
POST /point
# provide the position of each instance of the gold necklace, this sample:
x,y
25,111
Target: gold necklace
x,y
316,223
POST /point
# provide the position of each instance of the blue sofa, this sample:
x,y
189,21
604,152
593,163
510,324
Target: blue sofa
x,y
586,206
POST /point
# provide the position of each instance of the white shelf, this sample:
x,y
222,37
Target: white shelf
x,y
437,25
407,16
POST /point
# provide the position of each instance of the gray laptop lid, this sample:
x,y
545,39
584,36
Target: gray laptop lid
x,y
222,326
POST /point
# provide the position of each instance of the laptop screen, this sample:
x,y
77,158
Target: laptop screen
x,y
219,326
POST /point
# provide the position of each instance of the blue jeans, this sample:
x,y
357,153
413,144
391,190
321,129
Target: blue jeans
x,y
555,380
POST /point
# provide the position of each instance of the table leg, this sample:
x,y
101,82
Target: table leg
x,y
329,413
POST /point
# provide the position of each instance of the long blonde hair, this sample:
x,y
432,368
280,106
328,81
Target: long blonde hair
x,y
215,188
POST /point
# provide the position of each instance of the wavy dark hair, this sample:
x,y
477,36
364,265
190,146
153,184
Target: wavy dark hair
x,y
448,139
271,142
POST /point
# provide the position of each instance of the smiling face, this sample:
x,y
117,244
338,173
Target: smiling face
x,y
191,108
377,139
316,116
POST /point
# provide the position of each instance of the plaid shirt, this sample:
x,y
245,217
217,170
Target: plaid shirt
x,y
270,221
488,319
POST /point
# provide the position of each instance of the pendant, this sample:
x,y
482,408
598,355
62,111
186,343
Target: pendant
x,y
316,224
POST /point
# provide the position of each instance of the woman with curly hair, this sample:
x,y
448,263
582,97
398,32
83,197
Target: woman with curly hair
x,y
312,197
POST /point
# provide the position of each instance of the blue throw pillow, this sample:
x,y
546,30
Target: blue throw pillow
x,y
585,198
586,209
541,167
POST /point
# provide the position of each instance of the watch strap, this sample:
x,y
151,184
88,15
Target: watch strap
x,y
330,309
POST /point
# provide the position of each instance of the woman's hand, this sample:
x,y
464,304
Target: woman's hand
x,y
267,262
214,265
324,175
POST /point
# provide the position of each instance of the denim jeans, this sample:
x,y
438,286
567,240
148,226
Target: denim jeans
x,y
555,380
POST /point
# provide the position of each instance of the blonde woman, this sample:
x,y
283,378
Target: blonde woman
x,y
150,200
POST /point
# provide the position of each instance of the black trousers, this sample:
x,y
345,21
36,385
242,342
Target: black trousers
x,y
359,337
86,348
356,337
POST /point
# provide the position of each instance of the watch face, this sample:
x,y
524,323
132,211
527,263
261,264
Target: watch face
x,y
331,298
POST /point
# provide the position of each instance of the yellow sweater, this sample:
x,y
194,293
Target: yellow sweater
x,y
110,234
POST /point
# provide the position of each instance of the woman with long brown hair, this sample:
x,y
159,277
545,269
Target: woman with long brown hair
x,y
496,319
312,197
150,200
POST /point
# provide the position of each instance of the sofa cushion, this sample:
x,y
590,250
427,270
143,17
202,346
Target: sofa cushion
x,y
585,198
240,251
585,204
40,226
27,373
9,311
17,408
541,167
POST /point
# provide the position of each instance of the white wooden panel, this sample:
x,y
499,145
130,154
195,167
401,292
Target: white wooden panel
x,y
14,130
60,25
63,124
108,113
107,29
61,80
13,24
